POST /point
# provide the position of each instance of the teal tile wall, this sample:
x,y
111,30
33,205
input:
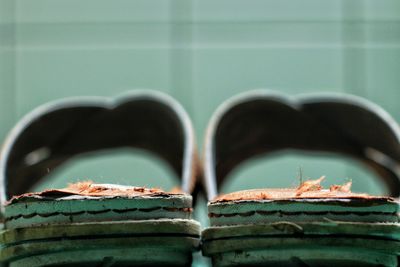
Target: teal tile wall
x,y
200,52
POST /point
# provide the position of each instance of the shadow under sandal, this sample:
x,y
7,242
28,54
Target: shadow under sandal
x,y
88,224
307,225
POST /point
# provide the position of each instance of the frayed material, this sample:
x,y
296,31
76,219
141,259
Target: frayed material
x,y
88,188
309,189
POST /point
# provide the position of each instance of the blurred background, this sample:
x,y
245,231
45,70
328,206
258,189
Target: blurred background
x,y
201,52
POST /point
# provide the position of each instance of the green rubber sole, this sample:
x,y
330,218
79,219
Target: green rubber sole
x,y
303,244
328,257
303,210
29,212
167,242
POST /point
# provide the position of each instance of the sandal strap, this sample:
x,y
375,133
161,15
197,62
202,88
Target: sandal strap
x,y
262,122
53,133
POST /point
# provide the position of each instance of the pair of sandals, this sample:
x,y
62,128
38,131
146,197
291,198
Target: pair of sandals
x,y
88,224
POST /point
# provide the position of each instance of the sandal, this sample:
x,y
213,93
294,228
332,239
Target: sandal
x,y
88,224
307,225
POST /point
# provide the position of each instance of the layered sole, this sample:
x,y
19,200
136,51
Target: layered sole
x,y
303,244
163,242
303,232
74,230
32,211
303,210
